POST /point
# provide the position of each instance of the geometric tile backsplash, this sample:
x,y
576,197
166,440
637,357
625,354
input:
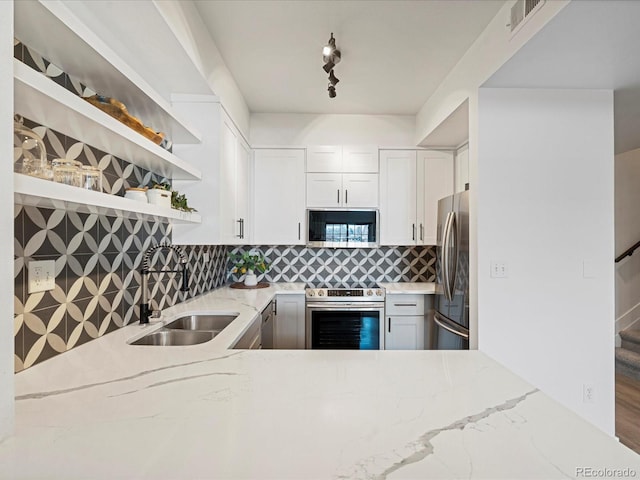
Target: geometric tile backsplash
x,y
98,258
345,266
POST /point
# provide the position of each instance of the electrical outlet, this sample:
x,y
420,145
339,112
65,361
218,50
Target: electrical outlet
x,y
588,393
41,276
499,270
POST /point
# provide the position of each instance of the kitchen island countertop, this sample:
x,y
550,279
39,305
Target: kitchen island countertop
x,y
110,410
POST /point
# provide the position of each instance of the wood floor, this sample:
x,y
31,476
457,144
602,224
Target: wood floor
x,y
628,411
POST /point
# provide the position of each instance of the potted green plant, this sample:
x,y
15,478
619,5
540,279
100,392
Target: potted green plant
x,y
248,264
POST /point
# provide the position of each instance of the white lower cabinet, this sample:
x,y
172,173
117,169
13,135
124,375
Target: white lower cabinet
x,y
404,326
404,333
290,322
278,197
251,340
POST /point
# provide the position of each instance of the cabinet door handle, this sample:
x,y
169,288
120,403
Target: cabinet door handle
x,y
413,231
298,230
338,196
239,221
346,197
389,328
421,233
405,304
242,228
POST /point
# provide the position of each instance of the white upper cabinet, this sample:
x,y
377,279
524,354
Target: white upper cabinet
x,y
222,196
411,183
398,197
324,159
360,159
234,185
435,181
342,177
360,190
278,197
324,190
342,190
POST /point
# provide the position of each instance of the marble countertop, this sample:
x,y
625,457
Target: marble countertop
x,y
109,410
419,288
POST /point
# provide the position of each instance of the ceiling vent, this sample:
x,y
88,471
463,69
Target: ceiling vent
x,y
522,11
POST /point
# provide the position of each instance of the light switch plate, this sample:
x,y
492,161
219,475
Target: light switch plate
x,y
499,269
41,276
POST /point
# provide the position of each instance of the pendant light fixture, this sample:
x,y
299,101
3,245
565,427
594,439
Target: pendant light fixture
x,y
331,57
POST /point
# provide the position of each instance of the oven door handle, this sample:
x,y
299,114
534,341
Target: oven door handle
x,y
345,305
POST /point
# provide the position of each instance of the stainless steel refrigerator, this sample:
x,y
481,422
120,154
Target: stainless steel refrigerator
x,y
450,326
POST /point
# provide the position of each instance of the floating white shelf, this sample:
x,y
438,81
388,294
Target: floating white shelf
x,y
51,29
42,193
43,100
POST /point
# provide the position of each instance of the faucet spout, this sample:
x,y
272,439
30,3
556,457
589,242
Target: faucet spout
x,y
145,310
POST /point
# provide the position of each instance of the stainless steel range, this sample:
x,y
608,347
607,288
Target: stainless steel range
x,y
345,317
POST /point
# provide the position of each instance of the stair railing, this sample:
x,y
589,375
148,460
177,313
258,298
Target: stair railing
x,y
628,252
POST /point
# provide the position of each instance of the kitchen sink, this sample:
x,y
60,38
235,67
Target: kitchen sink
x,y
167,338
208,323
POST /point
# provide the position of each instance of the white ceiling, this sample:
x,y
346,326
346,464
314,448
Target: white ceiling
x,y
587,45
394,52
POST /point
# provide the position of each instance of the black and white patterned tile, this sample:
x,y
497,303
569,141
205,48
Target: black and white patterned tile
x,y
344,266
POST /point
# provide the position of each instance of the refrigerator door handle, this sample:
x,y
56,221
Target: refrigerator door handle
x,y
453,240
445,258
450,325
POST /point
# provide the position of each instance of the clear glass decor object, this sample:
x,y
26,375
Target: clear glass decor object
x,y
68,172
29,152
91,178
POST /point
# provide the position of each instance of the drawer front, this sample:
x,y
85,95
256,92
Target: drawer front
x,y
404,305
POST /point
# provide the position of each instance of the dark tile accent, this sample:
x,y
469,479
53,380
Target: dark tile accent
x,y
82,276
110,234
37,325
110,271
44,231
82,233
83,321
18,343
110,312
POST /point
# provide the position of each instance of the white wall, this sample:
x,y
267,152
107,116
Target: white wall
x,y
492,48
6,219
194,36
545,205
311,129
627,227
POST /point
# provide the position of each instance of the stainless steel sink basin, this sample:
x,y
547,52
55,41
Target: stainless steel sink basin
x,y
174,338
209,323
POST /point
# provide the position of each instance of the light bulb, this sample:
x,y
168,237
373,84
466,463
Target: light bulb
x,y
326,50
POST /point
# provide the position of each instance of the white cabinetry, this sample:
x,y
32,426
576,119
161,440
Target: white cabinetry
x,y
222,197
278,197
234,185
411,183
404,322
252,338
342,177
290,322
435,181
398,200
327,190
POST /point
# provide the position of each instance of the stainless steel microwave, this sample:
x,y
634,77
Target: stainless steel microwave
x,y
334,228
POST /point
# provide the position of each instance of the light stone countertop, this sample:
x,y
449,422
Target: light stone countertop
x,y
109,410
400,288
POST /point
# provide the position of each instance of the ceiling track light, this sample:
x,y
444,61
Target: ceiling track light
x,y
331,57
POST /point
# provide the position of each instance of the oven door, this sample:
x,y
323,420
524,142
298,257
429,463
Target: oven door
x,y
345,326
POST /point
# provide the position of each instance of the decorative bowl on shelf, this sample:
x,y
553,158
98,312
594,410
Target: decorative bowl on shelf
x,y
160,197
136,193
